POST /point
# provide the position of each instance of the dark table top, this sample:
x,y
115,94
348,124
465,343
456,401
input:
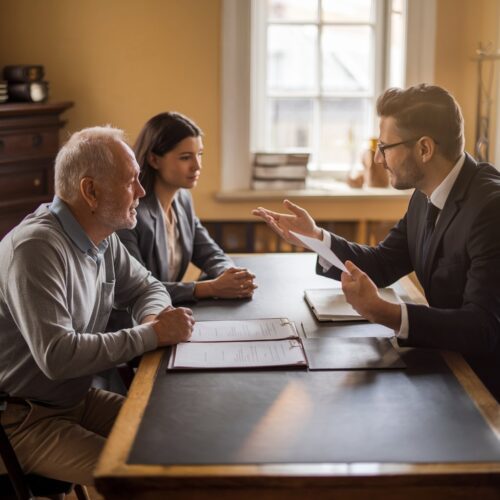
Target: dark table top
x,y
415,415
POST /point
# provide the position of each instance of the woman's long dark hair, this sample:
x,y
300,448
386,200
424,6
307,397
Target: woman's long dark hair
x,y
160,135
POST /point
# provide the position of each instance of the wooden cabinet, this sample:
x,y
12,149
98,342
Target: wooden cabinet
x,y
29,141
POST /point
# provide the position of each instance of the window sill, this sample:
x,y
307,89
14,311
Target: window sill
x,y
328,190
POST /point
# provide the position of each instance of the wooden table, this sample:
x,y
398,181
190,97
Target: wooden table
x,y
359,478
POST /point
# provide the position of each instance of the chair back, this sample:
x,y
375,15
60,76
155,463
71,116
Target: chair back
x,y
23,487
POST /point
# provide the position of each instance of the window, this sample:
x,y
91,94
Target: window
x,y
322,69
315,69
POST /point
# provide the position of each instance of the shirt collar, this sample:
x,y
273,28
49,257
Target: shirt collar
x,y
441,193
75,231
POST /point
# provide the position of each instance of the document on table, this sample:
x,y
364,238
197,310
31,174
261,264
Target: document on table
x,y
330,304
288,352
240,344
321,249
237,330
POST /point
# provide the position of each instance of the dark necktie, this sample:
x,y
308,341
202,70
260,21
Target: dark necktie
x,y
430,222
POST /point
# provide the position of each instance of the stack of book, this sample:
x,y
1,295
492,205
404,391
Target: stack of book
x,y
3,91
280,171
25,83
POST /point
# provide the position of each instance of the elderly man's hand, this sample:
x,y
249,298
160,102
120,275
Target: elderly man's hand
x,y
174,325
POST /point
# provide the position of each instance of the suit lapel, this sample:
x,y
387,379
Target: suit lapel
x,y
450,210
185,235
160,242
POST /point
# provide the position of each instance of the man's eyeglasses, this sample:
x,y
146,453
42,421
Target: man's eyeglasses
x,y
382,147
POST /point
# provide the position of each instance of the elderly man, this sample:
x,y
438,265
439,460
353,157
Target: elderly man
x,y
450,234
61,270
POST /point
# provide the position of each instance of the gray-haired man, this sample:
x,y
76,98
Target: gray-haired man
x,y
61,271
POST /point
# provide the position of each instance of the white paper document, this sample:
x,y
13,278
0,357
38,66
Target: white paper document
x,y
330,304
255,329
237,354
240,344
321,249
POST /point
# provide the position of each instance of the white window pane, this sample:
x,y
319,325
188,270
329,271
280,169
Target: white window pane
x,y
348,10
291,59
289,124
347,58
292,10
397,6
397,54
344,132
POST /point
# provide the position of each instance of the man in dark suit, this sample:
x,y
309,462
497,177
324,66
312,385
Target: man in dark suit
x,y
450,235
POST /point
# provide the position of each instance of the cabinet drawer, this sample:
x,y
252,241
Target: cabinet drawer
x,y
12,213
25,182
35,144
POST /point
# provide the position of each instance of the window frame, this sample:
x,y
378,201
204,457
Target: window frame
x,y
241,76
318,96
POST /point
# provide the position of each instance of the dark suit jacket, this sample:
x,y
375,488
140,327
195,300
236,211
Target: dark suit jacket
x,y
462,278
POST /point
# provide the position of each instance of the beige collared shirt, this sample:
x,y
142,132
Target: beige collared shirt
x,y
174,248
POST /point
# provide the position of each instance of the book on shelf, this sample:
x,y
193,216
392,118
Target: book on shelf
x,y
330,304
297,172
28,91
228,344
280,158
3,91
283,171
23,73
282,184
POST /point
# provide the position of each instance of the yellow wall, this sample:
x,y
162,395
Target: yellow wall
x,y
461,25
121,61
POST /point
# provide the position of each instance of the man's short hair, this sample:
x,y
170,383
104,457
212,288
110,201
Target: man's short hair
x,y
426,110
87,153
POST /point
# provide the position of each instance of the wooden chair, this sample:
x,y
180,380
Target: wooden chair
x,y
17,485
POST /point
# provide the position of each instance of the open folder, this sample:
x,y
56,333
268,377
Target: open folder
x,y
352,353
330,304
240,344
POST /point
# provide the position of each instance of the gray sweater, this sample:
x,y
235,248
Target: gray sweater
x,y
56,293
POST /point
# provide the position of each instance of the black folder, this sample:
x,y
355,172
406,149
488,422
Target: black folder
x,y
357,353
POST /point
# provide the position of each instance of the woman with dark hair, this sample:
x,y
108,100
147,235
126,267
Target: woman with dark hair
x,y
168,235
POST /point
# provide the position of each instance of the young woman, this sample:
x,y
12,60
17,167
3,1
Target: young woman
x,y
168,235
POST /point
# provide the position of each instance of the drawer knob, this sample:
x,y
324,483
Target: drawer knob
x,y
37,182
37,140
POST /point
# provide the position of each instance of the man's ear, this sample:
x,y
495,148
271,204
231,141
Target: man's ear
x,y
88,192
427,148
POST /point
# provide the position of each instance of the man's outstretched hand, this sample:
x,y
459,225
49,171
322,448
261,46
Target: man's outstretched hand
x,y
298,221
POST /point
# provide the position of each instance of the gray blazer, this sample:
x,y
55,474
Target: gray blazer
x,y
147,242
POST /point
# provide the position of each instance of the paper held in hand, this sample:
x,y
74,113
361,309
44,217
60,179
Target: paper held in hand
x,y
321,249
